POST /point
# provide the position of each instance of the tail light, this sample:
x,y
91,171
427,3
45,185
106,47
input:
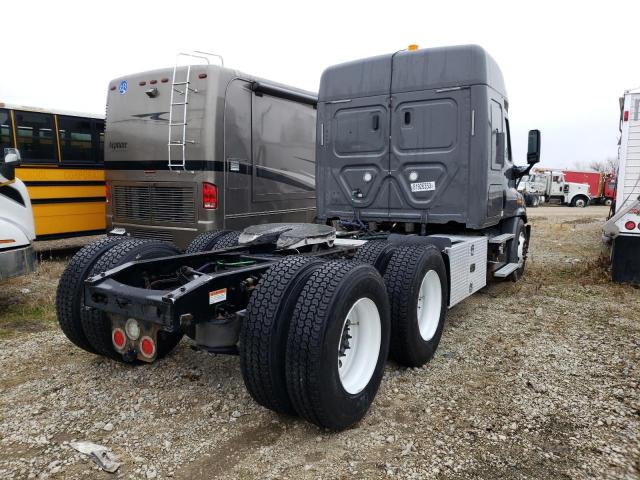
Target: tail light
x,y
118,338
630,225
147,347
107,192
209,196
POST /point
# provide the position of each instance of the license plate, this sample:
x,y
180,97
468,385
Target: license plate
x,y
423,186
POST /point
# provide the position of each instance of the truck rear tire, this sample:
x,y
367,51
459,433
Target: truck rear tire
x,y
416,281
97,326
69,295
338,343
263,334
376,253
206,241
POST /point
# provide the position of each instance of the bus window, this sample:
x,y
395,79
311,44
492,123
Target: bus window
x,y
98,140
35,137
5,130
75,139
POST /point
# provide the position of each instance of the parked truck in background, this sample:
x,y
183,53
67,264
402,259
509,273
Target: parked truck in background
x,y
622,230
602,186
314,309
543,186
17,229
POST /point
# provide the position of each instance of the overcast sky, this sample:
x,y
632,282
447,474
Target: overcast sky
x,y
565,63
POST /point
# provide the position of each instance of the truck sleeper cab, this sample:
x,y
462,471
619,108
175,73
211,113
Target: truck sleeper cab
x,y
314,309
239,150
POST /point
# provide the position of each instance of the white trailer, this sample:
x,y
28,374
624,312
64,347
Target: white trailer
x,y
622,230
17,229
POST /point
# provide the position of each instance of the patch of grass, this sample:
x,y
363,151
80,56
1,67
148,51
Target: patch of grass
x,y
23,318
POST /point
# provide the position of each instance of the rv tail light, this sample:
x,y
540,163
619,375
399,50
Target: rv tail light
x,y
107,193
209,196
147,347
630,225
118,338
626,116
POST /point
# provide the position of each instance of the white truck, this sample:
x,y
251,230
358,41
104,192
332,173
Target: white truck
x,y
550,185
622,230
17,229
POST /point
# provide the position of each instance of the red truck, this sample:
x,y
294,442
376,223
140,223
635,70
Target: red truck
x,y
601,185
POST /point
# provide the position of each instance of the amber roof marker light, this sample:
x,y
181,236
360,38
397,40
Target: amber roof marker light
x,y
413,47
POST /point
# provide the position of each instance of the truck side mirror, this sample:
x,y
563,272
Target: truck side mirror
x,y
9,162
533,151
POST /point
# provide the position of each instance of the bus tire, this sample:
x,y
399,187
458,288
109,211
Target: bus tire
x,y
96,324
263,334
416,281
205,241
333,371
376,253
69,295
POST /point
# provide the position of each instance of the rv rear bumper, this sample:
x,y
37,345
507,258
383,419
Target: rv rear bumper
x,y
16,262
180,236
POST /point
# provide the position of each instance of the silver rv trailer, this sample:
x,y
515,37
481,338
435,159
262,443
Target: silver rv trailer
x,y
202,147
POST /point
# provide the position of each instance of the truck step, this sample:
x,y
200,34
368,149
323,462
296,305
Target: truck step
x,y
507,270
501,238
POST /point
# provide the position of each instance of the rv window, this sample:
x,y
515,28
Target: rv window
x,y
5,130
35,135
75,139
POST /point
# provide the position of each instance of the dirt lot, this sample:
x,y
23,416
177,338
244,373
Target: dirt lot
x,y
535,379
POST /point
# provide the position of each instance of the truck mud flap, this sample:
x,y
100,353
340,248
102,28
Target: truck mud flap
x,y
625,261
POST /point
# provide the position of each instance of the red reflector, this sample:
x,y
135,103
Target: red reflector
x,y
142,83
113,87
164,80
147,347
107,193
626,115
630,225
118,338
153,82
209,196
202,75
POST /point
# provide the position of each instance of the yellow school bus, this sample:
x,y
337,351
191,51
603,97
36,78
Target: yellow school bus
x,y
62,166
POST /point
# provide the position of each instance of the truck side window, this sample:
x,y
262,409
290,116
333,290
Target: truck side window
x,y
508,143
497,126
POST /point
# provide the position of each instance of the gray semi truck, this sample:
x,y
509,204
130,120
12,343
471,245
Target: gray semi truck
x,y
417,209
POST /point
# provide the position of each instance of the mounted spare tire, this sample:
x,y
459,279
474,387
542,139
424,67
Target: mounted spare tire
x,y
337,344
96,324
70,292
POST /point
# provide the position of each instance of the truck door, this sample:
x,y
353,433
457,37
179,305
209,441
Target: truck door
x,y
429,151
237,148
356,149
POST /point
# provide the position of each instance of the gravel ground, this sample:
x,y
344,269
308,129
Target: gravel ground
x,y
535,379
